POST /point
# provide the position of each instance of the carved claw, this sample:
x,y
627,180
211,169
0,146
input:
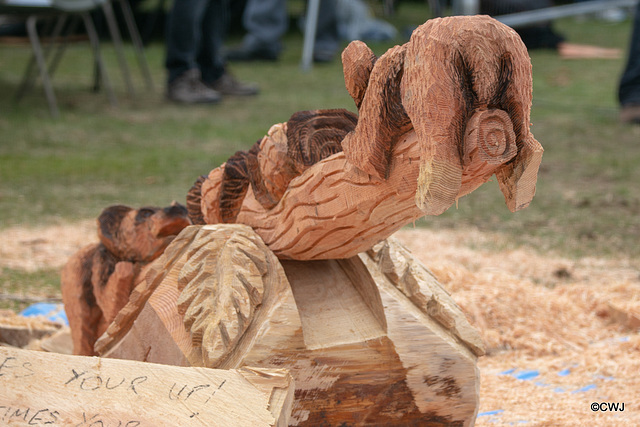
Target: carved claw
x,y
464,85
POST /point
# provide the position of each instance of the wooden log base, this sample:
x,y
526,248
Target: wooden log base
x,y
369,340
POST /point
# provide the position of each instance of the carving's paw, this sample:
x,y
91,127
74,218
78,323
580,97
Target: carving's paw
x,y
222,284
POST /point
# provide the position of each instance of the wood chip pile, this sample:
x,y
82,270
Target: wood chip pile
x,y
561,334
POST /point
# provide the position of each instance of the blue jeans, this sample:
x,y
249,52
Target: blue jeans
x,y
266,21
629,88
194,37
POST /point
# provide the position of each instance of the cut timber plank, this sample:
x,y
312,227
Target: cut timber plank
x,y
46,388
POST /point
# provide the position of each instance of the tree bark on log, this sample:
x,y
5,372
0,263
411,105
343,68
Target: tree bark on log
x,y
369,340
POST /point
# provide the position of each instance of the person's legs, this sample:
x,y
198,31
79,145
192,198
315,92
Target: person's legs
x,y
327,40
183,36
213,30
184,40
212,65
266,21
629,87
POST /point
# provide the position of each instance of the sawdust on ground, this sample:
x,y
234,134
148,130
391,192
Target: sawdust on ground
x,y
561,334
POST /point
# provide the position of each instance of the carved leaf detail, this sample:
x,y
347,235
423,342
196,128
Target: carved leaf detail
x,y
222,284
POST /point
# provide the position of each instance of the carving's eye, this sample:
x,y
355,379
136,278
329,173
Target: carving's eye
x,y
143,214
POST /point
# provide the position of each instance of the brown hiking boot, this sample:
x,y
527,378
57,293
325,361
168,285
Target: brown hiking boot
x,y
228,85
188,88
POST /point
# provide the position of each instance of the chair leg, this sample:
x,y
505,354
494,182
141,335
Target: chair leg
x,y
137,42
31,72
95,44
42,65
53,64
117,44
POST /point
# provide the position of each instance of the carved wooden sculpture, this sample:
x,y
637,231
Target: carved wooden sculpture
x,y
97,280
438,117
369,340
287,266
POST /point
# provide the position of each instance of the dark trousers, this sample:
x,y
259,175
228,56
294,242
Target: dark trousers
x,y
629,89
266,21
195,33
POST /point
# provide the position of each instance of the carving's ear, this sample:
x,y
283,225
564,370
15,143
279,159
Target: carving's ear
x,y
382,119
357,62
194,199
234,186
434,99
517,180
109,225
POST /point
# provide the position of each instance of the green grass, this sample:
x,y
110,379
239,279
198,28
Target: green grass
x,y
41,284
147,151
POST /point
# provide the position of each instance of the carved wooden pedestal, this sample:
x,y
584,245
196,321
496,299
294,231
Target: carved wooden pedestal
x,y
370,340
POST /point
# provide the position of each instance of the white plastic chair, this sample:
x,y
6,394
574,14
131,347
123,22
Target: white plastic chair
x,y
61,11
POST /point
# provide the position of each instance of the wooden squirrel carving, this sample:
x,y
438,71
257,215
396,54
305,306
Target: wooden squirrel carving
x,y
438,116
284,267
97,280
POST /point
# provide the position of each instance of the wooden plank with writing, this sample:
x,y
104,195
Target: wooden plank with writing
x,y
46,388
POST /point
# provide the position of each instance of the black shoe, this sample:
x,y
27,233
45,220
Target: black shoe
x,y
244,54
227,85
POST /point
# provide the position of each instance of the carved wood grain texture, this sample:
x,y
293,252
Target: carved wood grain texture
x,y
194,202
335,210
417,283
277,169
438,117
315,135
40,388
223,281
357,63
361,352
218,299
382,120
461,66
148,281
